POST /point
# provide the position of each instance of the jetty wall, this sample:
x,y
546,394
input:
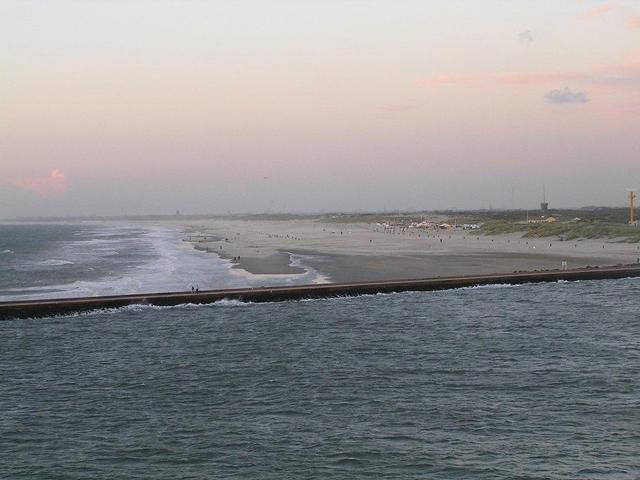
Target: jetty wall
x,y
53,307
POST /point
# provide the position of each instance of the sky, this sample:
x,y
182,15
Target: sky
x,y
139,107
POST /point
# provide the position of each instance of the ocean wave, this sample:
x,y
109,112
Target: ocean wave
x,y
89,243
7,251
348,297
53,262
137,260
141,307
106,252
225,302
490,286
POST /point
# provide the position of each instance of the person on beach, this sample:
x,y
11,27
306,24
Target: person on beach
x,y
192,289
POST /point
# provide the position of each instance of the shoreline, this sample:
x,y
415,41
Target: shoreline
x,y
279,263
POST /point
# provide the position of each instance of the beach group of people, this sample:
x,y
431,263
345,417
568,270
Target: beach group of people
x,y
290,237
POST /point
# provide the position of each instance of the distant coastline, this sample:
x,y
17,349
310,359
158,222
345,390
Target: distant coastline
x,y
619,214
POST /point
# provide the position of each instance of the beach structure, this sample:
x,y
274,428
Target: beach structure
x,y
632,207
543,219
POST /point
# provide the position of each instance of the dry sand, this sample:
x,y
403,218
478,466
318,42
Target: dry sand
x,y
362,252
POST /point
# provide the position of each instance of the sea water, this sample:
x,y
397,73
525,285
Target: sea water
x,y
523,382
517,382
99,258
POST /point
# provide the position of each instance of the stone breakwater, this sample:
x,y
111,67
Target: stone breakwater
x,y
53,307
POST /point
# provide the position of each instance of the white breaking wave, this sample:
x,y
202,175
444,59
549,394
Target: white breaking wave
x,y
54,262
225,302
161,262
334,298
138,307
490,286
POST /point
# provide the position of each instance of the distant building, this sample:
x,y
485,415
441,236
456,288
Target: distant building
x,y
543,219
544,207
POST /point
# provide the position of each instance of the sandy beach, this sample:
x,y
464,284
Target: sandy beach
x,y
363,252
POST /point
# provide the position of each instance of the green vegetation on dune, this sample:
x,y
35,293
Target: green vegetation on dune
x,y
498,227
566,231
596,222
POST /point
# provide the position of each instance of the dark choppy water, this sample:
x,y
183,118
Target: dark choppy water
x,y
539,381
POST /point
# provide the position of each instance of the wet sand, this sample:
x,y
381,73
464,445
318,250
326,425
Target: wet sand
x,y
362,268
365,252
277,263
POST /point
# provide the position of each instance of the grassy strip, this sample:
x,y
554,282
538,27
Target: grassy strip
x,y
567,231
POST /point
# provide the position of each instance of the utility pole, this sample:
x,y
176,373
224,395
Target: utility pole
x,y
632,207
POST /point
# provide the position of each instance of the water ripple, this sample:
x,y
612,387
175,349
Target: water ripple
x,y
468,384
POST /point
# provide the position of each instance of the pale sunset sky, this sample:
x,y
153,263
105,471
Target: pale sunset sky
x,y
137,107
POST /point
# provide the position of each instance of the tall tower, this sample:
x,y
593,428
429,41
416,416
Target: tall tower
x,y
632,207
544,205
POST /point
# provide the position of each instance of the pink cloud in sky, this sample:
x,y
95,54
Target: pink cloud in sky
x,y
55,183
503,78
633,22
619,76
536,78
599,10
